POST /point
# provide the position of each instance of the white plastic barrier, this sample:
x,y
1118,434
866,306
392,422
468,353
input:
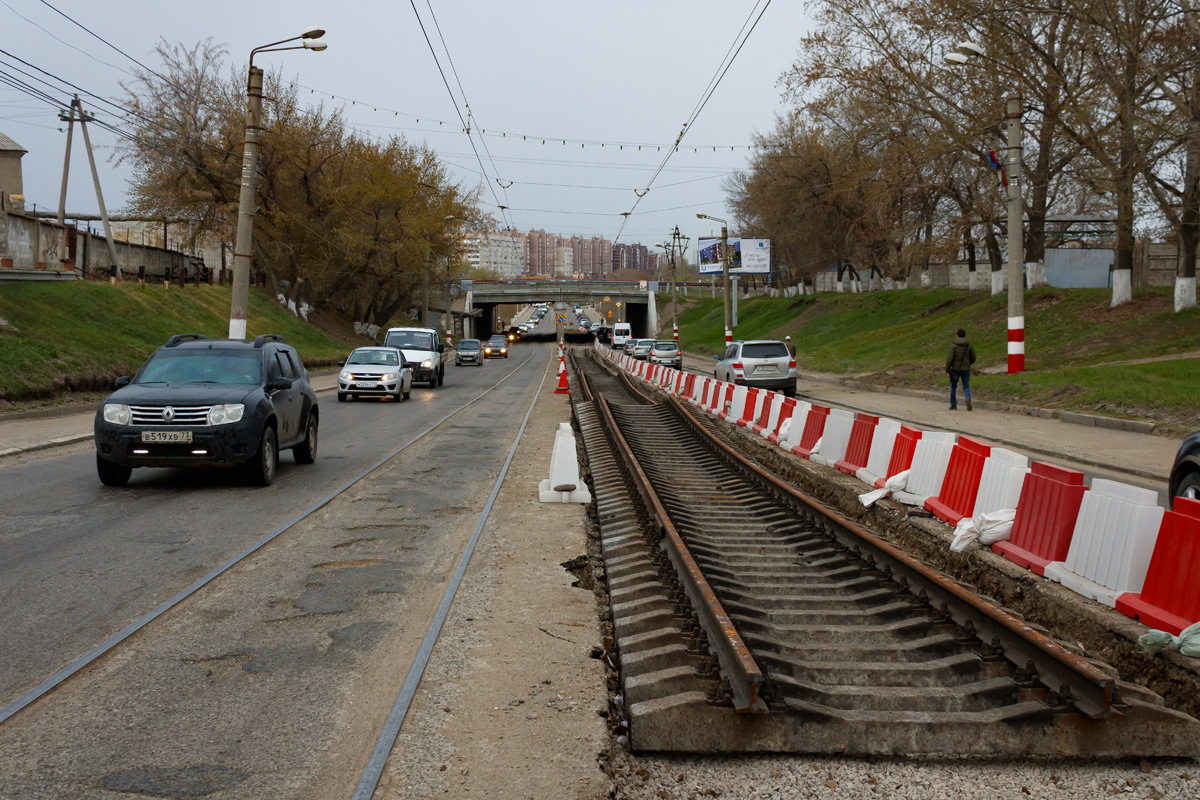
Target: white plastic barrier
x,y
795,431
736,405
835,438
1112,542
1000,482
777,399
699,389
881,451
930,459
564,485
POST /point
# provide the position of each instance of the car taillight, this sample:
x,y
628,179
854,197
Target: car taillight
x,y
738,365
791,364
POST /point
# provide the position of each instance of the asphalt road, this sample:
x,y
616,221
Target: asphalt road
x,y
79,561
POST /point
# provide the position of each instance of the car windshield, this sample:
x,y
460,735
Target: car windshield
x,y
202,366
645,343
498,340
468,344
765,350
413,340
664,345
375,358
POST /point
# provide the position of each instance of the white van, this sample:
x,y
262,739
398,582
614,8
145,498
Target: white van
x,y
620,334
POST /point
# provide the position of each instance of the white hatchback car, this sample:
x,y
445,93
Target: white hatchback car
x,y
375,372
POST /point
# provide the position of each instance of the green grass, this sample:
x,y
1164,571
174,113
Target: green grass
x,y
79,336
901,337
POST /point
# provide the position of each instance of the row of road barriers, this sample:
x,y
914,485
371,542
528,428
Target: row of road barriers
x,y
1111,543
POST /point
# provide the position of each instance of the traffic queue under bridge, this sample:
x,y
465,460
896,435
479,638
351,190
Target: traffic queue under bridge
x,y
483,297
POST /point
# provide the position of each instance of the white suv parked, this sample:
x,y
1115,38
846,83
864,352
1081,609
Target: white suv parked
x,y
763,364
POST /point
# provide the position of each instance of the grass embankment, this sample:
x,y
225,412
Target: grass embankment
x,y
1072,336
76,336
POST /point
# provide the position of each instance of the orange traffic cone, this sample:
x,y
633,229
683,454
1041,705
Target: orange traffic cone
x,y
562,378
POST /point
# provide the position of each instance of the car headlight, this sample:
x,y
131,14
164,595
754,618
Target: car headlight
x,y
116,413
225,414
427,363
347,376
487,349
503,349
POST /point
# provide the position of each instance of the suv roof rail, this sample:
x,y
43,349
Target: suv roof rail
x,y
183,337
259,341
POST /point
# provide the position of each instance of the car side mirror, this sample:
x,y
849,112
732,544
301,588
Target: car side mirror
x,y
716,358
122,382
280,383
341,363
377,343
441,347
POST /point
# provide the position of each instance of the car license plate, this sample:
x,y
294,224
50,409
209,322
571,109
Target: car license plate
x,y
167,437
767,368
366,386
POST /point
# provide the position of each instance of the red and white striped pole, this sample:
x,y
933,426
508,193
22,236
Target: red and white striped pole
x,y
1016,345
675,329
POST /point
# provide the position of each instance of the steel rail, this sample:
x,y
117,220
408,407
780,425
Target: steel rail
x,y
62,675
1077,681
368,782
736,661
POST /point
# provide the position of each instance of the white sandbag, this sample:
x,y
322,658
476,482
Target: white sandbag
x,y
895,483
986,529
784,427
1187,642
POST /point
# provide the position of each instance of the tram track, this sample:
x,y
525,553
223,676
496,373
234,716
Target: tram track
x,y
857,646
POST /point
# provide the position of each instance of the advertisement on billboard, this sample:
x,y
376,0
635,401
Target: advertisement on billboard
x,y
746,256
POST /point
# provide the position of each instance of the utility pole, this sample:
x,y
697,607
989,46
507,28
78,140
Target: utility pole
x,y
725,285
244,245
678,246
87,143
62,196
1016,240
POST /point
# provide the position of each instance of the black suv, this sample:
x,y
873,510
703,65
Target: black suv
x,y
201,403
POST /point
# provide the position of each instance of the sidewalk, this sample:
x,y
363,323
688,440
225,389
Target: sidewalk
x,y
1124,454
19,434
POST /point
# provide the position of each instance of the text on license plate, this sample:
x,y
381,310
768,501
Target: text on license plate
x,y
167,437
366,386
766,368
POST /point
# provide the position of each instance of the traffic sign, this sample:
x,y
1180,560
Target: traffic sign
x,y
610,315
606,298
560,319
618,304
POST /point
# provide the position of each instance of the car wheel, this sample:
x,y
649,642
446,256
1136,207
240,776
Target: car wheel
x,y
306,451
341,397
433,381
408,393
260,470
112,474
1189,487
441,376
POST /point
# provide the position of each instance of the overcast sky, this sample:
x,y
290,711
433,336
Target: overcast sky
x,y
617,72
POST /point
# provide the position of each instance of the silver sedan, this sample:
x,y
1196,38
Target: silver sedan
x,y
374,372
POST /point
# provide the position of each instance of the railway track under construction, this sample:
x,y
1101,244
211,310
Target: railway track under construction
x,y
748,616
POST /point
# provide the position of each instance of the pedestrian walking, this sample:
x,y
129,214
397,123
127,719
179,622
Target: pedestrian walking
x,y
958,366
791,347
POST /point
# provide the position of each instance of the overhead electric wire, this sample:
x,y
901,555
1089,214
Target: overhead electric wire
x,y
437,62
61,41
722,69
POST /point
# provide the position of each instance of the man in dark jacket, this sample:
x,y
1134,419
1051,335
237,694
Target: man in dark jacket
x,y
958,366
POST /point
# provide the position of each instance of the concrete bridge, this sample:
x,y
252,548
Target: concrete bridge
x,y
636,297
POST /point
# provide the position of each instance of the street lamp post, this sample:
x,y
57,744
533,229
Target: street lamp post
x,y
962,55
244,245
724,276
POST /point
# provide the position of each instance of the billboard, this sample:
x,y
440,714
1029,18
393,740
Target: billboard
x,y
746,256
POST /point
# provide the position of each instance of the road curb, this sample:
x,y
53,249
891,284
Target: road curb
x,y
61,441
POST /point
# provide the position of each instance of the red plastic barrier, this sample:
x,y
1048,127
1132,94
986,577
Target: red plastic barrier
x,y
902,453
1046,512
721,396
1170,597
957,497
689,384
814,427
785,412
858,450
764,414
747,417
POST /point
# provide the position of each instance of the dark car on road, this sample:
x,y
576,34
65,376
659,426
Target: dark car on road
x,y
1185,472
496,347
198,402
